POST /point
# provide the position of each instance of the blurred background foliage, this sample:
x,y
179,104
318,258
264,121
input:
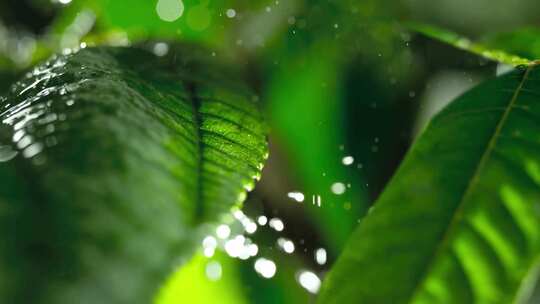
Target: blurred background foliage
x,y
337,79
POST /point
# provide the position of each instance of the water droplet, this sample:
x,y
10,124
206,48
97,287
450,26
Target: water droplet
x,y
223,231
320,256
209,242
253,249
338,188
316,200
161,49
250,227
262,220
309,281
209,252
169,10
266,268
347,160
231,13
234,246
297,196
277,224
213,271
286,245
239,215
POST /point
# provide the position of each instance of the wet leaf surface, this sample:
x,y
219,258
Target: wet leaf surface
x,y
112,163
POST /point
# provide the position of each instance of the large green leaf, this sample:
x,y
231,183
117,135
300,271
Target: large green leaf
x,y
460,221
113,161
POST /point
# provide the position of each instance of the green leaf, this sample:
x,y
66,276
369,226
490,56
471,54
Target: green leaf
x,y
235,281
491,52
226,287
113,162
460,220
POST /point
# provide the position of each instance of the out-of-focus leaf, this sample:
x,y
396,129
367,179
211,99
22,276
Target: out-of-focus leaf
x,y
223,279
487,51
523,42
459,222
307,103
306,108
205,281
283,287
113,161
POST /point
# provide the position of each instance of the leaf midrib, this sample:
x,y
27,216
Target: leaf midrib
x,y
470,187
197,120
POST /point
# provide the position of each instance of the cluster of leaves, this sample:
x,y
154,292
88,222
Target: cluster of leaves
x,y
115,161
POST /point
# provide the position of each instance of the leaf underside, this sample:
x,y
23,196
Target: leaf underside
x,y
490,51
524,42
460,221
112,161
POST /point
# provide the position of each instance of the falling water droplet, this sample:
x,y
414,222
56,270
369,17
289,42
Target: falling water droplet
x,y
320,256
286,245
309,281
297,196
277,224
266,268
213,271
347,160
223,231
338,188
262,220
